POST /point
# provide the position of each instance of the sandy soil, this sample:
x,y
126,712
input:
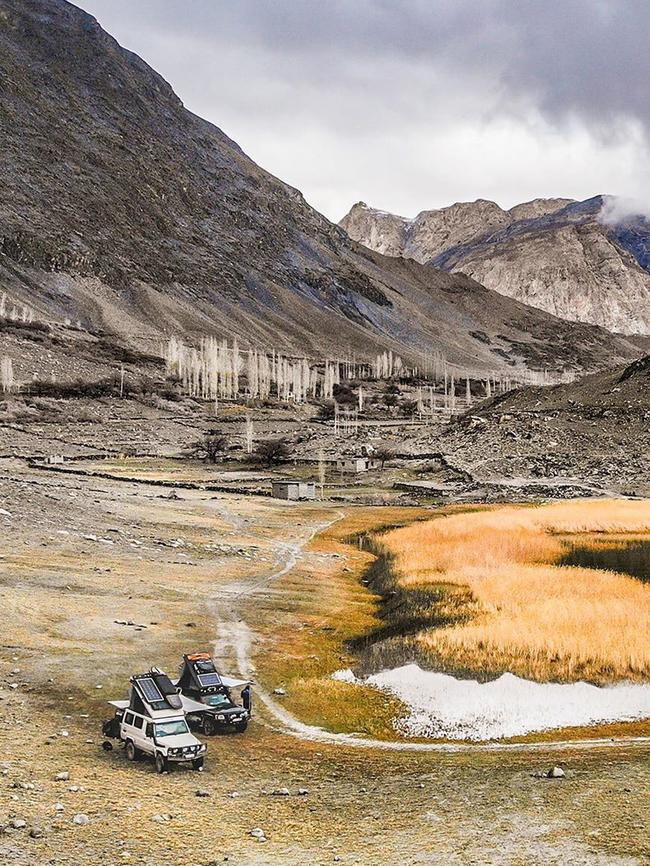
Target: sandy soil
x,y
80,554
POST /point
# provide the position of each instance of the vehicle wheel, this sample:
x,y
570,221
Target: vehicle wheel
x,y
209,725
131,751
161,763
197,763
240,727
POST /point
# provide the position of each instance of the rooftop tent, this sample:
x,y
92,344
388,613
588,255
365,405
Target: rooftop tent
x,y
167,688
153,692
199,673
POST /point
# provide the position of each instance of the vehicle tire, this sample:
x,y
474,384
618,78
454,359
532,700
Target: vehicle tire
x,y
209,725
197,763
240,727
161,763
131,751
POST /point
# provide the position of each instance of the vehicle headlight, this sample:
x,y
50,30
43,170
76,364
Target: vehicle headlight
x,y
221,717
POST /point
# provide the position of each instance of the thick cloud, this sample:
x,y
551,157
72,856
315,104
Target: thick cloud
x,y
412,104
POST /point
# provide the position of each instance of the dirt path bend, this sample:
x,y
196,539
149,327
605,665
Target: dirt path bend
x,y
235,639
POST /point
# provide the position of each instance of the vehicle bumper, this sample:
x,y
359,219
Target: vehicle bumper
x,y
186,759
229,722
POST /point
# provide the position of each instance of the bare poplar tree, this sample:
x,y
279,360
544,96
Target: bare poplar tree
x,y
321,472
249,434
7,375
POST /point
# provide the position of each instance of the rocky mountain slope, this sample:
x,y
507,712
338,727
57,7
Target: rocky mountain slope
x,y
594,433
555,254
122,210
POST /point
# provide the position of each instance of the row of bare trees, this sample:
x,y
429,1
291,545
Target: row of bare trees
x,y
217,369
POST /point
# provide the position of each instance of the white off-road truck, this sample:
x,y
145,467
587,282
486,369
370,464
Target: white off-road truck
x,y
152,723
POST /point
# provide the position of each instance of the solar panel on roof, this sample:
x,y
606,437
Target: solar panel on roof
x,y
209,679
150,690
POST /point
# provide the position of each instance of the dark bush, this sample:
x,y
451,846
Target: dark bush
x,y
18,325
344,395
211,447
117,352
391,395
325,412
409,408
170,394
272,451
74,390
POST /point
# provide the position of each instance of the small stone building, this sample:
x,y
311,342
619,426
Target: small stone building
x,y
54,459
290,489
353,464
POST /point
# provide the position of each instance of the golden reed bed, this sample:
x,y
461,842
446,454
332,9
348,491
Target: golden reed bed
x,y
537,619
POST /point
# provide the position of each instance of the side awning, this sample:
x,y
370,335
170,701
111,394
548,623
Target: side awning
x,y
233,683
190,706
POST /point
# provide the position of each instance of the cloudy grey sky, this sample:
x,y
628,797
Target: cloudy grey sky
x,y
412,104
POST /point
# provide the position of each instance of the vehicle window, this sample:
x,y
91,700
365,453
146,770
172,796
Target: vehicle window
x,y
128,718
138,721
217,700
171,729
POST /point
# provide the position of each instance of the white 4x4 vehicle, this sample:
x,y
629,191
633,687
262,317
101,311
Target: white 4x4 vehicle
x,y
167,740
152,722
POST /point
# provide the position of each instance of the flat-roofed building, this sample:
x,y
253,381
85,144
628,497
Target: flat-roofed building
x,y
290,489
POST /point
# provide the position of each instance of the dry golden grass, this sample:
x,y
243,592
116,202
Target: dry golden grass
x,y
538,619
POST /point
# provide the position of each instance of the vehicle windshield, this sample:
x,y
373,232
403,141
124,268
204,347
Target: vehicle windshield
x,y
217,700
171,729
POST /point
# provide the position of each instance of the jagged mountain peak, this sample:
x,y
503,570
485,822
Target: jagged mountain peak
x,y
579,260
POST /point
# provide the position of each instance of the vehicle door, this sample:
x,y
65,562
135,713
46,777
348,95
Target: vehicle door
x,y
126,728
148,737
139,734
